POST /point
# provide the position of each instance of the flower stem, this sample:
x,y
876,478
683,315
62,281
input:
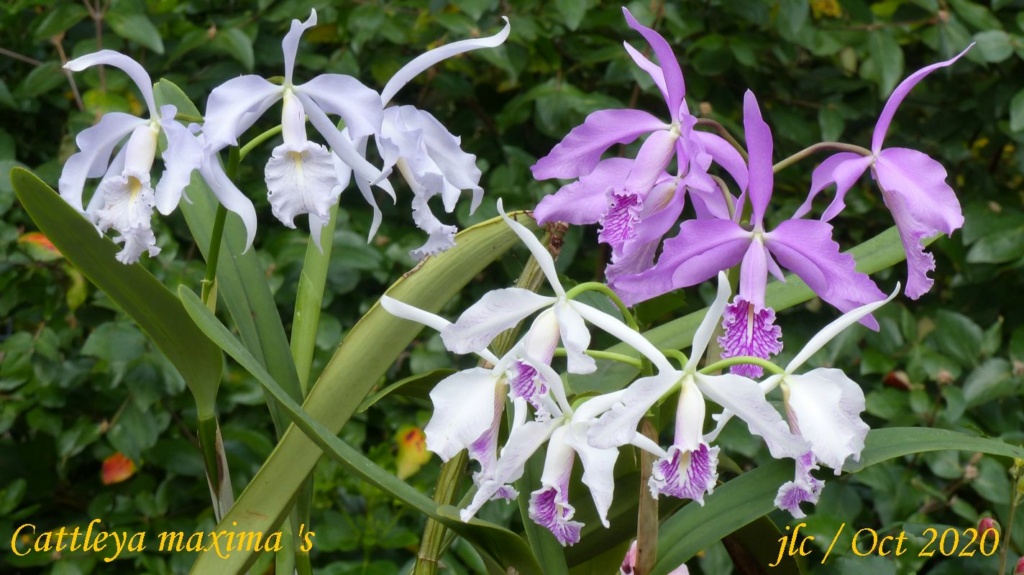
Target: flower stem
x,y
248,147
218,233
604,289
709,123
1016,475
597,354
819,147
741,360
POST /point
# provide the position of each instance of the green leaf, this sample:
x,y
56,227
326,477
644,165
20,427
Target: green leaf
x,y
418,385
994,45
157,311
501,544
958,337
241,279
975,14
41,79
137,28
990,380
752,495
831,123
1005,245
363,357
236,44
887,57
572,12
58,20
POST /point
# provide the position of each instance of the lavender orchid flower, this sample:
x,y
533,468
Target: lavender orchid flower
x,y
427,155
704,247
913,187
636,201
301,175
125,198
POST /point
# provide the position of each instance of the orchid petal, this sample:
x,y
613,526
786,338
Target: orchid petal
x,y
234,106
290,44
96,144
581,150
586,200
342,146
759,149
301,180
806,248
754,273
745,399
405,311
229,195
497,311
833,329
899,94
674,88
701,250
686,474
522,443
347,97
458,419
652,159
575,337
539,252
184,154
619,425
922,203
843,170
118,60
652,69
623,332
725,155
707,326
428,59
804,488
826,406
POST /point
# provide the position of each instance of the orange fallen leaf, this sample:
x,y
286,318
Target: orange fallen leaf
x,y
117,468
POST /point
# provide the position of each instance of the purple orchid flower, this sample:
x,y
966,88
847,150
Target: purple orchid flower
x,y
805,247
913,187
637,201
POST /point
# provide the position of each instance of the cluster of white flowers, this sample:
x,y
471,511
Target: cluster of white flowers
x,y
302,177
821,426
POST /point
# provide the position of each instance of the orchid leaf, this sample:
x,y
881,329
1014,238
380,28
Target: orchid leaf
x,y
157,311
241,278
752,495
501,544
363,357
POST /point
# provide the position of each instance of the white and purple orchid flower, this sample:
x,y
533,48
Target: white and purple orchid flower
x,y
704,247
637,201
913,187
688,468
301,175
428,156
125,198
823,407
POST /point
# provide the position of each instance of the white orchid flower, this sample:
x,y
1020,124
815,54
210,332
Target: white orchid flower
x,y
301,175
823,406
502,309
427,155
125,198
688,469
566,434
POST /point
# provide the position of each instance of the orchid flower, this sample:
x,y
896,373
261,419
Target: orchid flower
x,y
125,198
502,309
427,155
913,187
688,468
823,407
636,201
704,247
301,175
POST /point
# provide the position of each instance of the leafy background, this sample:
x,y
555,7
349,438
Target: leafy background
x,y
79,382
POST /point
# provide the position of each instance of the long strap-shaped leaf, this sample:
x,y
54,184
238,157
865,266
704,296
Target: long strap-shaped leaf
x,y
504,546
363,357
752,494
157,311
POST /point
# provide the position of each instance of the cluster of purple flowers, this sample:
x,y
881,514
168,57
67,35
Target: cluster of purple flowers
x,y
637,202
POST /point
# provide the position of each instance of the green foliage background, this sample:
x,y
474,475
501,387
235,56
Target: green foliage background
x,y
78,381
